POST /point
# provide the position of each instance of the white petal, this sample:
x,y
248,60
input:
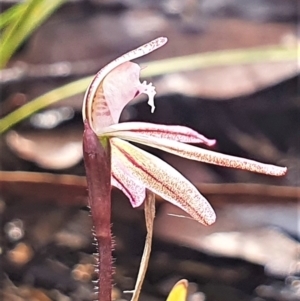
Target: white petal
x,y
172,132
163,180
203,155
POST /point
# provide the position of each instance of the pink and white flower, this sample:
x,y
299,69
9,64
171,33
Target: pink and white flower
x,y
133,169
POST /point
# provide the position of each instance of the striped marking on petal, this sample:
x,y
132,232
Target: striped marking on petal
x,y
163,180
97,80
207,156
172,132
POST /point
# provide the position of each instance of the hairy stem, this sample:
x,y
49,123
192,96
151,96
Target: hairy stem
x,y
97,160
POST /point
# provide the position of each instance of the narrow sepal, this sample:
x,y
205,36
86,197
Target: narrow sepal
x,y
204,155
164,180
171,132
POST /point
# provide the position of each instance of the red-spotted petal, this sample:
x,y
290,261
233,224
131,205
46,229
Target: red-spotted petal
x,y
163,180
172,132
203,155
123,180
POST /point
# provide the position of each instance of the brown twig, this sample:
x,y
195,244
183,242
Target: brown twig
x,y
70,189
97,160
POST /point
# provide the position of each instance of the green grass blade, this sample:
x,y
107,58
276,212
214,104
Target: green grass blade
x,y
33,14
222,58
185,63
43,101
11,14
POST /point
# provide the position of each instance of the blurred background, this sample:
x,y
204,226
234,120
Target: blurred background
x,y
229,71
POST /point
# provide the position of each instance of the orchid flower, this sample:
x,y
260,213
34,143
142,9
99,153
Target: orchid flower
x,y
133,169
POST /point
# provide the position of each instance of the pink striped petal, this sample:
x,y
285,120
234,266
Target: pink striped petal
x,y
163,180
203,155
123,180
172,132
115,85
